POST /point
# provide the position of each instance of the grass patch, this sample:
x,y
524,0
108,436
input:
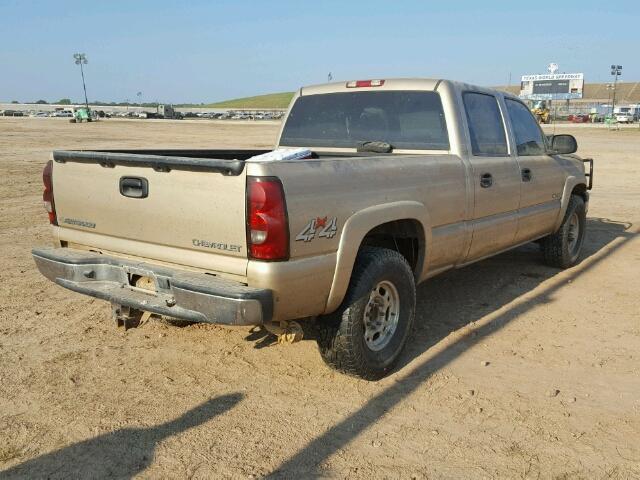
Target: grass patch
x,y
272,100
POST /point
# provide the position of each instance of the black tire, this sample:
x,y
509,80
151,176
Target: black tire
x,y
562,249
341,335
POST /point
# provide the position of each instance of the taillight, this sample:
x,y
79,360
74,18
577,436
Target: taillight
x,y
267,225
365,83
47,195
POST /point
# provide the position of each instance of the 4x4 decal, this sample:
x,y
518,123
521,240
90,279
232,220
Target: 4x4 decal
x,y
320,226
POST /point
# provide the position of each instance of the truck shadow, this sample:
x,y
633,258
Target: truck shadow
x,y
123,453
450,302
457,298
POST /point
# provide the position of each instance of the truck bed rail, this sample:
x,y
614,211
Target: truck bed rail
x,y
162,163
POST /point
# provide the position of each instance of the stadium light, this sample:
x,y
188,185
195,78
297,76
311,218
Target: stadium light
x,y
616,71
81,59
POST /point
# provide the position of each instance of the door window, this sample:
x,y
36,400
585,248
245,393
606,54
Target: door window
x,y
529,138
486,129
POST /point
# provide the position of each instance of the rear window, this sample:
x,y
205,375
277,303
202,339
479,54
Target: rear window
x,y
485,124
405,119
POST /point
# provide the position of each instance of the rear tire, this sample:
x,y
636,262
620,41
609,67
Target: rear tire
x,y
562,249
366,335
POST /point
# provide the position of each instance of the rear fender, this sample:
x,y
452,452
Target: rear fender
x,y
356,228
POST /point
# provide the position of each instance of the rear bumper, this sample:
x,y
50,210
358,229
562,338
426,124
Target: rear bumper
x,y
196,297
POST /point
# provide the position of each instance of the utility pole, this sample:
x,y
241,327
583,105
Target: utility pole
x,y
81,59
616,70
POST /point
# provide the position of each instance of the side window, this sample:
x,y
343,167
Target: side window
x,y
485,124
529,138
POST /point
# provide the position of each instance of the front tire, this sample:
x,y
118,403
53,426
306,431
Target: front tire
x,y
562,249
366,335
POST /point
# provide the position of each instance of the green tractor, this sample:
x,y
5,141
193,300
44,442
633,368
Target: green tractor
x,y
82,114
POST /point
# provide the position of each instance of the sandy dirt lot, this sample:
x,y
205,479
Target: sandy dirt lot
x,y
559,397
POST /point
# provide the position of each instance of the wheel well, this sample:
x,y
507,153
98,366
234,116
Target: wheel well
x,y
404,236
580,189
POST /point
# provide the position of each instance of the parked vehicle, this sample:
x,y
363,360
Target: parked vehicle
x,y
623,117
83,114
168,112
579,118
403,179
11,113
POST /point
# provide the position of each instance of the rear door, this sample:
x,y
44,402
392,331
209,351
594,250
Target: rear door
x,y
541,175
496,176
188,217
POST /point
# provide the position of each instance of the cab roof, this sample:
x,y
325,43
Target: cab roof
x,y
424,84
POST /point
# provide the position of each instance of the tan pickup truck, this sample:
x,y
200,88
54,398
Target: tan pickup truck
x,y
405,178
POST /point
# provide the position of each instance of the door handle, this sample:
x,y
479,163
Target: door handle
x,y
486,180
134,187
526,175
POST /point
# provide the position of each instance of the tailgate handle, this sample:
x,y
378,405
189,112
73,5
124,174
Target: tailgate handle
x,y
134,187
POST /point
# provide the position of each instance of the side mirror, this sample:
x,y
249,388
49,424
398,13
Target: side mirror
x,y
564,144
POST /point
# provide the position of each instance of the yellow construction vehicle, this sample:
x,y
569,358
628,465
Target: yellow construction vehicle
x,y
541,112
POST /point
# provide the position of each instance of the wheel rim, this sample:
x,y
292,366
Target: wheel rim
x,y
381,315
573,235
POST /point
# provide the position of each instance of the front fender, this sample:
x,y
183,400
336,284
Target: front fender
x,y
570,183
356,228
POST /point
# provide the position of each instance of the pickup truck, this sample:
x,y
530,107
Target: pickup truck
x,y
405,179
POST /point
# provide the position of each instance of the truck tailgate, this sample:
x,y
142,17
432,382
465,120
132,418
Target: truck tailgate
x,y
195,208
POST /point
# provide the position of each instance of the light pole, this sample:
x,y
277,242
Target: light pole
x,y
81,59
609,88
616,70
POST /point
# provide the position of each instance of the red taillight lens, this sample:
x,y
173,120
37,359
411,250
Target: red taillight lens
x,y
267,226
47,195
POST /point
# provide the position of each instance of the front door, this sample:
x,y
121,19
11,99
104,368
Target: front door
x,y
542,175
496,177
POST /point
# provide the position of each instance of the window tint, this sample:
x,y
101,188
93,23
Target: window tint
x,y
405,119
485,124
529,139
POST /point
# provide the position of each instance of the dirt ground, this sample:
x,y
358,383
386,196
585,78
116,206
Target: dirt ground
x,y
558,398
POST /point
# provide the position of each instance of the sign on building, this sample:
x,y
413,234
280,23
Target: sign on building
x,y
557,86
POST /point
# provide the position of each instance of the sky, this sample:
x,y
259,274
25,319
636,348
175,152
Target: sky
x,y
203,51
